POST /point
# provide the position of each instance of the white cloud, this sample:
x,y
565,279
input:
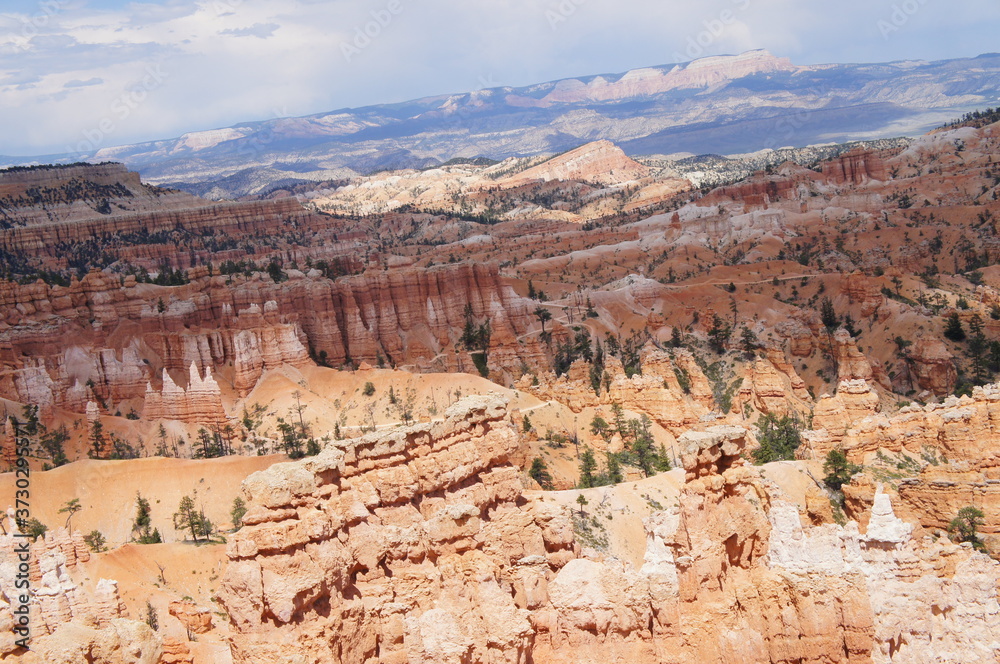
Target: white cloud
x,y
259,30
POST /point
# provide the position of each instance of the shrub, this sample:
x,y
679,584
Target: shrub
x,y
33,528
95,540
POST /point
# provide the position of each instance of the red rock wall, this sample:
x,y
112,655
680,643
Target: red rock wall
x,y
78,333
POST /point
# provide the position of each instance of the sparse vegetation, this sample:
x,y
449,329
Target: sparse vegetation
x,y
965,527
778,438
540,473
95,541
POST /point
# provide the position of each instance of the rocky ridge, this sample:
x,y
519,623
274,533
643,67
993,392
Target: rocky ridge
x,y
390,547
406,317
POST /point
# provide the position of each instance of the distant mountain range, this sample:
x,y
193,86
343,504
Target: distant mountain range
x,y
719,104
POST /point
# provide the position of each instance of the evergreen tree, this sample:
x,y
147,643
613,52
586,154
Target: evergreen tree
x,y
675,337
142,531
614,474
953,328
69,508
97,440
965,526
540,473
618,414
838,470
977,350
95,541
749,342
663,460
642,445
778,438
588,468
718,334
828,315
238,512
600,427
189,517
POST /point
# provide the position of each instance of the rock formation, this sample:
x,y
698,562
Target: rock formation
x,y
854,401
932,366
863,291
402,547
370,548
656,391
70,623
856,167
199,403
954,443
772,388
407,317
601,162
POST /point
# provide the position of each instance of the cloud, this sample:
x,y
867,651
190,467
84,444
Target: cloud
x,y
261,30
77,83
216,77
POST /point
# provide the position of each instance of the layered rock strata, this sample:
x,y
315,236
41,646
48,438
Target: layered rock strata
x,y
200,403
70,623
672,388
418,546
399,547
61,346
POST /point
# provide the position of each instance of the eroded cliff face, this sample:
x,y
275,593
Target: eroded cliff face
x,y
657,390
400,547
70,622
952,448
419,546
106,338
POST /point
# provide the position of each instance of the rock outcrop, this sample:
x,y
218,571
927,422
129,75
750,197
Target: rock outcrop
x,y
401,546
951,448
772,387
407,317
932,366
199,403
672,389
417,546
856,167
863,291
70,623
601,162
854,401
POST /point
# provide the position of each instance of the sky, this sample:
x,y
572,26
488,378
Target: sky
x,y
113,72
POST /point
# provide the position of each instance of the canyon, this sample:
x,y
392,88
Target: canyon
x,y
512,412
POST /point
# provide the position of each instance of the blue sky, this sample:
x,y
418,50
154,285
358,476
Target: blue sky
x,y
111,72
